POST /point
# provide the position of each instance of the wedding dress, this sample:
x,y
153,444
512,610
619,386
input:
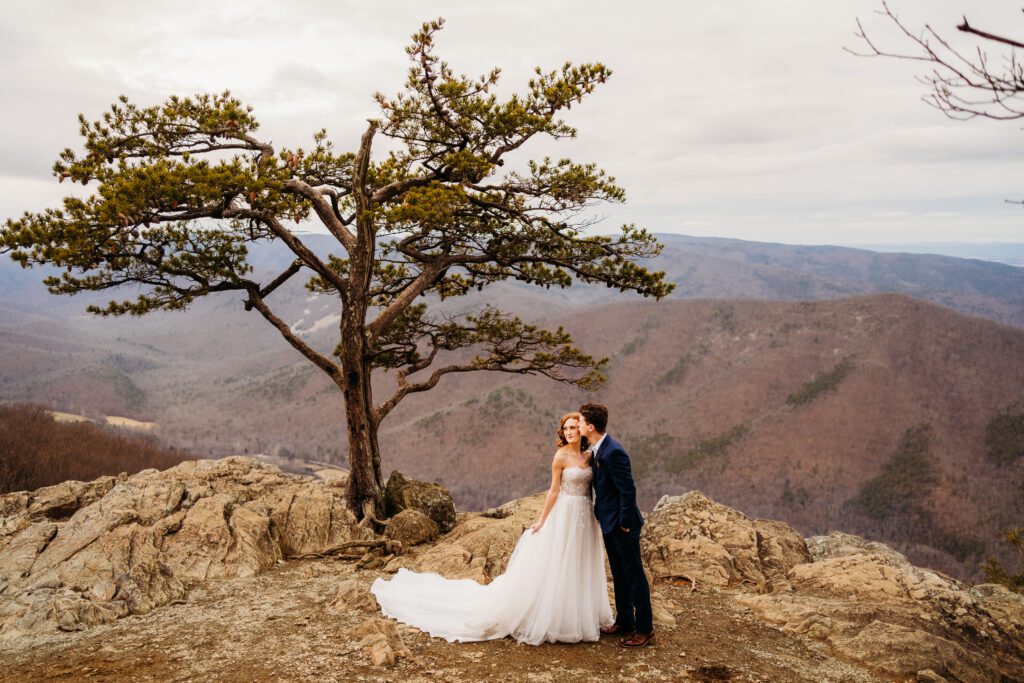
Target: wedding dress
x,y
554,588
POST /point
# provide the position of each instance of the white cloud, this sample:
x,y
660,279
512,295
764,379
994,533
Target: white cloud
x,y
742,119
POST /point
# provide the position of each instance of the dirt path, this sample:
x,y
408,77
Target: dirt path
x,y
280,626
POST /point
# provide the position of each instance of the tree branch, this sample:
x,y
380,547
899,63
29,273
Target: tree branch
x,y
407,388
295,267
427,277
967,28
295,244
955,73
322,362
327,214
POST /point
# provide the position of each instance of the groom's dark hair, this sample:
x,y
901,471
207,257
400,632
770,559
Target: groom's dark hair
x,y
595,414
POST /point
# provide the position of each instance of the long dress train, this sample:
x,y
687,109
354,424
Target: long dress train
x,y
554,588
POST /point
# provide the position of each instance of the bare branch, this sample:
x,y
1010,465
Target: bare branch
x,y
967,28
294,243
962,86
428,276
426,385
295,267
322,362
327,214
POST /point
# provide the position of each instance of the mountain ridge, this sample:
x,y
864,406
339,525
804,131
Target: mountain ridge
x,y
698,387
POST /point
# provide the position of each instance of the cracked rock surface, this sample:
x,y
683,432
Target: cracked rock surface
x,y
84,553
207,571
861,599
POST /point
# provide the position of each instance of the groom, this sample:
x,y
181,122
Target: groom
x,y
616,510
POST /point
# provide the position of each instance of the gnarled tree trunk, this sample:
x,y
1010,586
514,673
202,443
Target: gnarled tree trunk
x,y
365,484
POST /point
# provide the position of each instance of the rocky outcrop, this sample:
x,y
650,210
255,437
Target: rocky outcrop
x,y
692,537
861,598
870,605
433,500
90,552
82,553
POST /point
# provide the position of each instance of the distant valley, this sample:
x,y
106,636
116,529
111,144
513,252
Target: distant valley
x,y
701,386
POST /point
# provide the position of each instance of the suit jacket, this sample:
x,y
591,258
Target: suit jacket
x,y
614,491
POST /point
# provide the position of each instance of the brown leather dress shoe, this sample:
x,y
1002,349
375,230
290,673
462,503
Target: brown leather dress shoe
x,y
615,630
638,640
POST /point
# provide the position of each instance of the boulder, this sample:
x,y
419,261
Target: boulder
x,y
692,537
894,648
861,598
85,553
411,527
433,500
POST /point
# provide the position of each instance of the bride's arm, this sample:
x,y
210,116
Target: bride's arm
x,y
556,482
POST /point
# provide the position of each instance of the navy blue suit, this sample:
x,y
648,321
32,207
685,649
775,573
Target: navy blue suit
x,y
615,507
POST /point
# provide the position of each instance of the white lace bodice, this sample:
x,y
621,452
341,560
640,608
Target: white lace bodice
x,y
576,481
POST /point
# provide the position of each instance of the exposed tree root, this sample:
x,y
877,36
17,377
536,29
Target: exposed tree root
x,y
389,547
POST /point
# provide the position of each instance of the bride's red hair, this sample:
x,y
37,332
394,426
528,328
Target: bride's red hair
x,y
561,433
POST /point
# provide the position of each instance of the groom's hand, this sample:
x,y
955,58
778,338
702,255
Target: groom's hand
x,y
624,529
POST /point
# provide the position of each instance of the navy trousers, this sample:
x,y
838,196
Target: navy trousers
x,y
632,594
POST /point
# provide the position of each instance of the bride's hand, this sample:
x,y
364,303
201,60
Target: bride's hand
x,y
536,527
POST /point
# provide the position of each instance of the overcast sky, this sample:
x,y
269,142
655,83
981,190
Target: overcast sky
x,y
737,119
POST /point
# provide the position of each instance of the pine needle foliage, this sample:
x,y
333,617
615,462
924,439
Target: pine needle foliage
x,y
180,189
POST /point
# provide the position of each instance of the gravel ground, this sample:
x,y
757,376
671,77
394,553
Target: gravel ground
x,y
280,625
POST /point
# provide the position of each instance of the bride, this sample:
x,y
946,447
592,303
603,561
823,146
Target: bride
x,y
554,588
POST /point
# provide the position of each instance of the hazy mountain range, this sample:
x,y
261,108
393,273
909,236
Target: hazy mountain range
x,y
1010,253
888,439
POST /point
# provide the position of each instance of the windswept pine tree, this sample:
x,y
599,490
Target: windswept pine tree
x,y
182,187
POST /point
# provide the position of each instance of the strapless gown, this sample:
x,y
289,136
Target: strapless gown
x,y
554,588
